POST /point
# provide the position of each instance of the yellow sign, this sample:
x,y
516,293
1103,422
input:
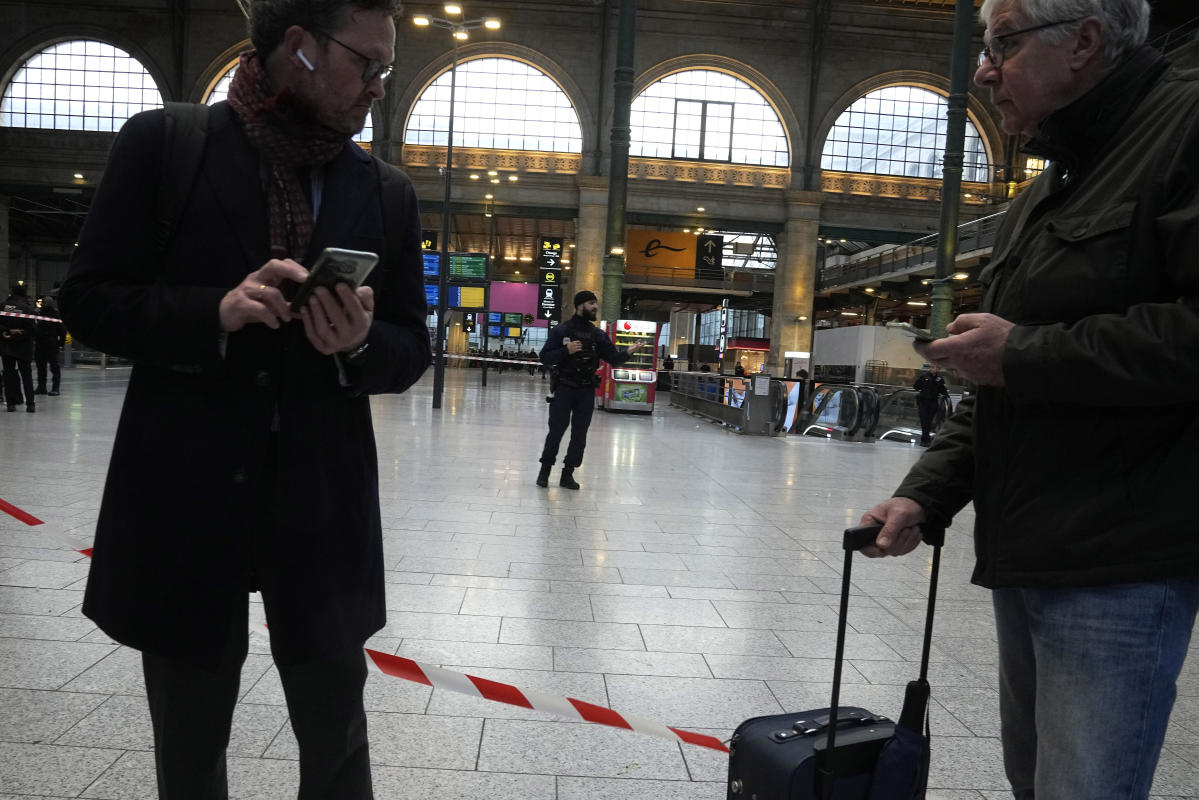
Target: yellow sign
x,y
473,297
661,253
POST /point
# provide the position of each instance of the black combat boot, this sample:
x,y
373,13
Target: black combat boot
x,y
543,477
567,478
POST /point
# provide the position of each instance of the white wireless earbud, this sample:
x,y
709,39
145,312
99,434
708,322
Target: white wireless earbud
x,y
304,60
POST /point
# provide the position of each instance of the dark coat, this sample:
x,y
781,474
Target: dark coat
x,y
16,333
172,542
580,369
1082,466
49,335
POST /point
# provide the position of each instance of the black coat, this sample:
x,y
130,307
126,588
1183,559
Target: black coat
x,y
171,552
16,333
49,335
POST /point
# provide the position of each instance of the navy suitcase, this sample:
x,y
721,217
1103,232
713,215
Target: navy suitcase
x,y
786,756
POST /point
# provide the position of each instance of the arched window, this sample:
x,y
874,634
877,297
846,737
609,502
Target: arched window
x,y
706,115
899,130
499,104
220,91
83,85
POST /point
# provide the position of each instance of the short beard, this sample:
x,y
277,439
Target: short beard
x,y
591,315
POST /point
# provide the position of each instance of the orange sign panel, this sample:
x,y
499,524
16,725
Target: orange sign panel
x,y
660,253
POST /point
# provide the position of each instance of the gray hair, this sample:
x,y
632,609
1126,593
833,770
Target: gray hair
x,y
268,19
1125,22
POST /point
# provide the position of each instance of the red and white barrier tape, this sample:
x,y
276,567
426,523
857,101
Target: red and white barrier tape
x,y
527,363
439,678
28,316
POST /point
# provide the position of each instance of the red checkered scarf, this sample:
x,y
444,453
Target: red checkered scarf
x,y
288,139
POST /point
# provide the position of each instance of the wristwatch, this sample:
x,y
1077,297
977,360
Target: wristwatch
x,y
357,355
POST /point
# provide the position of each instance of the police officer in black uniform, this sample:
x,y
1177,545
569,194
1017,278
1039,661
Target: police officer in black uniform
x,y
573,351
931,388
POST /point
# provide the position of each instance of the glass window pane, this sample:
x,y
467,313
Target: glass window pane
x,y
715,104
72,86
899,130
501,103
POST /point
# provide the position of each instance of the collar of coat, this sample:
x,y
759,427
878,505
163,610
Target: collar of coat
x,y
1076,135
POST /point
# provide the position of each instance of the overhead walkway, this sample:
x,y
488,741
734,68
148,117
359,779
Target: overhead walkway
x,y
897,262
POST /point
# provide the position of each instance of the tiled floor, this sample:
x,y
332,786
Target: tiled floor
x,y
692,581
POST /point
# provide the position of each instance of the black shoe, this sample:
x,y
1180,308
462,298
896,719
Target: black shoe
x,y
31,408
40,390
53,393
567,480
12,407
543,477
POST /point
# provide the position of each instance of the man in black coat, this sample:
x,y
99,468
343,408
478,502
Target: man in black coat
x,y
245,458
48,340
930,388
573,350
16,349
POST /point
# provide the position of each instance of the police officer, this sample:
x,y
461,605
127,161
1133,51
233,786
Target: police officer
x,y
573,351
931,388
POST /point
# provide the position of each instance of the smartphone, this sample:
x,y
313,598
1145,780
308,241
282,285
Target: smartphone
x,y
333,267
921,334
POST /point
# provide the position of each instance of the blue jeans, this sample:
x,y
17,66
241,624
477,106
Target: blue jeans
x,y
1086,684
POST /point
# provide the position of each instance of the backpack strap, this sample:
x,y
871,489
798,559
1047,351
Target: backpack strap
x,y
183,150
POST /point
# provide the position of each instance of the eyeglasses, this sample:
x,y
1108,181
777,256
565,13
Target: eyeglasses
x,y
994,51
371,68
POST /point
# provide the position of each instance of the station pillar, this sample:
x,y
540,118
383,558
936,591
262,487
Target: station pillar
x,y
794,281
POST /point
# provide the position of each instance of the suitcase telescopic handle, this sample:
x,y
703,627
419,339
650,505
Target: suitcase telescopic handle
x,y
852,540
864,535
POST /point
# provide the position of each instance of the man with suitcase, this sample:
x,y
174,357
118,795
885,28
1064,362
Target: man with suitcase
x,y
1084,533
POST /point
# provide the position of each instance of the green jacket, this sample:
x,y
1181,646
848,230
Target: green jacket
x,y
1082,468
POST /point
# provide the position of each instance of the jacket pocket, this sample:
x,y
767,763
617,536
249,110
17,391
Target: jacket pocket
x,y
1077,267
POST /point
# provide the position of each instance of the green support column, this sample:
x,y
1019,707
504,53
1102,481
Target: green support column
x,y
618,172
5,279
951,182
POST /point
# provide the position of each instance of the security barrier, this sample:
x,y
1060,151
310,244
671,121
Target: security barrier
x,y
755,405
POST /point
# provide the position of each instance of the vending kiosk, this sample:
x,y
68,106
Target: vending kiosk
x,y
632,385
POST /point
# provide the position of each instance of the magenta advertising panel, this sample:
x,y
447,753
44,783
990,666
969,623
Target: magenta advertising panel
x,y
515,297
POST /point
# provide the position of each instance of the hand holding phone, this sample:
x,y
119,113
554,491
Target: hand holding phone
x,y
335,266
920,334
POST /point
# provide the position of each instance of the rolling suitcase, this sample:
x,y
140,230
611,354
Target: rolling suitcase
x,y
787,756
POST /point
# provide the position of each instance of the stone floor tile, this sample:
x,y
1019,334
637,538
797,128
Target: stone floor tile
x,y
630,662
567,633
453,627
579,749
532,605
47,769
121,721
631,789
732,641
42,664
650,611
37,717
407,740
691,702
33,626
444,784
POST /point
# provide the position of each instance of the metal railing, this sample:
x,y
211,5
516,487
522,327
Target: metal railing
x,y
732,401
899,416
861,413
907,258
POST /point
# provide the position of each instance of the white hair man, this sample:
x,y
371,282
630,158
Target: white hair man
x,y
1085,535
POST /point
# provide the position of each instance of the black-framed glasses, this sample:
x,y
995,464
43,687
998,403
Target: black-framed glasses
x,y
371,68
993,52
